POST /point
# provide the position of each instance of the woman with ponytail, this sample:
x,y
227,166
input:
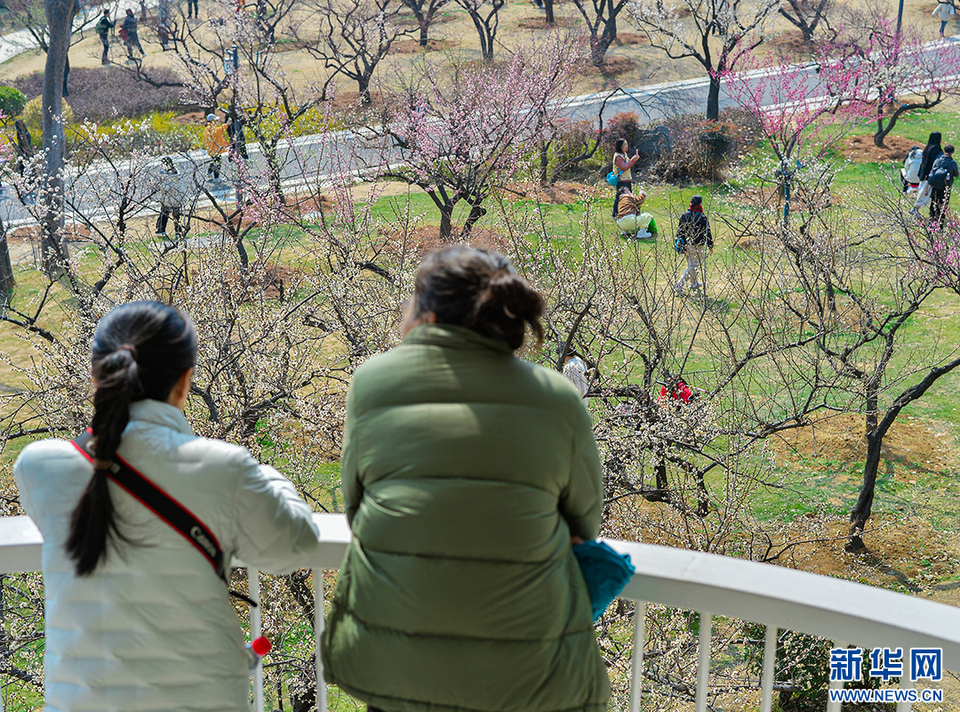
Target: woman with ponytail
x,y
466,474
136,618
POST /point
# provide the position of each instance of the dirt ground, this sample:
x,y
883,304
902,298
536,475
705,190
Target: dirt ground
x,y
860,149
913,443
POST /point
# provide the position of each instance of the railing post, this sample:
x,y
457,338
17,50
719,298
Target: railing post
x,y
318,626
256,628
769,666
703,664
835,684
636,665
905,684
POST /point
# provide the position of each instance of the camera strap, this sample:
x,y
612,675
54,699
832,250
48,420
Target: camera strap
x,y
164,506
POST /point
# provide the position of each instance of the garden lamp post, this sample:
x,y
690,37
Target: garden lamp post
x,y
231,66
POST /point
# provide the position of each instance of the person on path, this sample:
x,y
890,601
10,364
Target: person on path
x,y
621,166
170,194
943,12
23,146
695,240
931,152
131,36
216,141
941,181
467,474
136,616
103,27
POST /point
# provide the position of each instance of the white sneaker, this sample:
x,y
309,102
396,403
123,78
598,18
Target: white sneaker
x,y
913,211
678,288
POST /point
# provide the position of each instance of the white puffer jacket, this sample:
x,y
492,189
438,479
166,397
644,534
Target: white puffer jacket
x,y
152,629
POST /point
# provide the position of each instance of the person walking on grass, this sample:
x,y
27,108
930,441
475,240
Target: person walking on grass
x,y
943,12
695,241
138,616
931,152
622,164
131,36
103,27
941,182
468,473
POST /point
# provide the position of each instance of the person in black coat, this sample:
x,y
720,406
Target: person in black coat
x,y
695,240
941,181
931,153
103,28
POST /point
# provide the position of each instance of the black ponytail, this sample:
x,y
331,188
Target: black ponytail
x,y
140,351
480,290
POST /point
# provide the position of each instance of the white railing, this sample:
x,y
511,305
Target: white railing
x,y
841,611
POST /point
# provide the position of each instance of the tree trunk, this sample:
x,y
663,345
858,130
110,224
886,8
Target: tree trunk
x,y
446,223
476,212
6,268
597,51
364,84
713,99
548,10
544,162
424,30
52,243
861,512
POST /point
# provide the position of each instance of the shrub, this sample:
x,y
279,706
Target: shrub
x,y
623,125
32,113
572,139
98,94
700,150
12,101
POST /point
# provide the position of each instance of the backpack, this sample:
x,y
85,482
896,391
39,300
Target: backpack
x,y
102,27
681,244
939,176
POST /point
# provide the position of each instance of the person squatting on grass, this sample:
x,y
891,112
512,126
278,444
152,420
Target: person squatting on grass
x,y
466,474
136,617
622,166
630,219
695,240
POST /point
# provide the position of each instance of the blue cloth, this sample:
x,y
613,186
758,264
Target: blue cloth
x,y
605,571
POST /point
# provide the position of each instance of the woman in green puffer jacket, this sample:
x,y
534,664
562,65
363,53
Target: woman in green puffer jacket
x,y
466,474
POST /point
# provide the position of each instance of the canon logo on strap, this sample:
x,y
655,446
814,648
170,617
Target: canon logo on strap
x,y
204,541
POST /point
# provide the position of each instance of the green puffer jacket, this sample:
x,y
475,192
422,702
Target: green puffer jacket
x,y
465,471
